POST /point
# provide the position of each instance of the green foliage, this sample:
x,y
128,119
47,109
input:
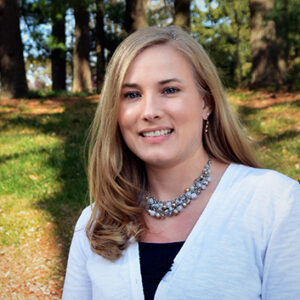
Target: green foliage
x,y
114,19
286,15
115,12
160,13
52,44
223,29
114,27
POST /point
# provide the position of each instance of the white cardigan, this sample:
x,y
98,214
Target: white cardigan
x,y
245,245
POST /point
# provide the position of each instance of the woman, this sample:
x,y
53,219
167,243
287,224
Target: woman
x,y
180,209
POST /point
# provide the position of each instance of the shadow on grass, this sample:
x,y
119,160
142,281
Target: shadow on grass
x,y
251,116
245,110
275,131
295,103
287,135
5,158
67,159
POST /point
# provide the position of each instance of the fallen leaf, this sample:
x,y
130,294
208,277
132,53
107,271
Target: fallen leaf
x,y
33,177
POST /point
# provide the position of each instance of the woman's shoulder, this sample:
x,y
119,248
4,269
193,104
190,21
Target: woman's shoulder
x,y
265,192
261,177
255,183
84,218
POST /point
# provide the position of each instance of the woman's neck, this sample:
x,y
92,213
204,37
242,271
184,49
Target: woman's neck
x,y
166,183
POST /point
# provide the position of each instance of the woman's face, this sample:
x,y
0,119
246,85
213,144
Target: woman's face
x,y
161,111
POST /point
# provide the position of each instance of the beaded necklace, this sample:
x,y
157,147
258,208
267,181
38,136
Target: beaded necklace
x,y
161,209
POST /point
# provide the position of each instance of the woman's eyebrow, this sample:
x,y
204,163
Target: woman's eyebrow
x,y
169,80
130,85
161,82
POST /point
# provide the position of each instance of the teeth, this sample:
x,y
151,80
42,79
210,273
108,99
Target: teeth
x,y
157,133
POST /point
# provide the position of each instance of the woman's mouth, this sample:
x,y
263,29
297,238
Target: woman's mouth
x,y
157,133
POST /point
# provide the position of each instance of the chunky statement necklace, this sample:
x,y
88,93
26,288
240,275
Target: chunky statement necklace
x,y
160,209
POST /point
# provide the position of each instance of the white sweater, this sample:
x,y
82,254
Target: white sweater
x,y
245,245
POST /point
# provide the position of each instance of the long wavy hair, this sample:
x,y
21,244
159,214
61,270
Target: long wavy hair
x,y
116,176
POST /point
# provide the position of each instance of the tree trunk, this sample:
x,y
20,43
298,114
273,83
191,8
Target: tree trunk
x,y
239,74
237,45
267,67
82,80
100,44
135,15
182,14
58,55
12,68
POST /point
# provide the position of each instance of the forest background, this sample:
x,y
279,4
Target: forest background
x,y
53,56
65,45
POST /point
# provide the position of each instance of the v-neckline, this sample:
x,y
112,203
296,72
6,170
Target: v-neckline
x,y
209,208
135,268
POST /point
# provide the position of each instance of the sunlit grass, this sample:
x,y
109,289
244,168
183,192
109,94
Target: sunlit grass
x,y
41,170
274,126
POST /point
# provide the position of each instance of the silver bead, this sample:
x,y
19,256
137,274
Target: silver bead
x,y
194,196
151,212
188,194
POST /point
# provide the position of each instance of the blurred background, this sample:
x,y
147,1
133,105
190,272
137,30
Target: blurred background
x,y
65,45
53,56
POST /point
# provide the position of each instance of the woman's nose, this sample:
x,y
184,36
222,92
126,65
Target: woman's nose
x,y
151,108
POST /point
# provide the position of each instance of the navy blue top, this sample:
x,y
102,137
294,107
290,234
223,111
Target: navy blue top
x,y
156,260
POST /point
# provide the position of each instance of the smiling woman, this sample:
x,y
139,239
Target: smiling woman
x,y
176,190
161,114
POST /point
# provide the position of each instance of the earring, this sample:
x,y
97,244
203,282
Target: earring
x,y
206,124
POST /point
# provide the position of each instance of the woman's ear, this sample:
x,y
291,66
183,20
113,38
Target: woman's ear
x,y
206,111
207,115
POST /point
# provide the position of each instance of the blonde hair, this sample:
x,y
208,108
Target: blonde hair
x,y
116,176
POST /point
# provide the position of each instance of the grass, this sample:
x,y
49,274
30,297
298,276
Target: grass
x,y
43,186
273,121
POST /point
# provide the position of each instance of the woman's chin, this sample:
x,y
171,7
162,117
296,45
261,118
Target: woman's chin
x,y
159,161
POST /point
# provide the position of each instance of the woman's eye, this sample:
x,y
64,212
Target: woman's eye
x,y
171,90
132,95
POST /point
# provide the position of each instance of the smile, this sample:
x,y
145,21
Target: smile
x,y
156,133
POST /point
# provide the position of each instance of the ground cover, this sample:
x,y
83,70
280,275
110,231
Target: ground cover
x,y
273,121
43,184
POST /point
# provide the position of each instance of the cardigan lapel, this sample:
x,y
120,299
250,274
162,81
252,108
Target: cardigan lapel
x,y
136,284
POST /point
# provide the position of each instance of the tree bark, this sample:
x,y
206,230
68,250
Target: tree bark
x,y
239,74
12,67
182,14
82,80
267,67
135,15
100,44
58,55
